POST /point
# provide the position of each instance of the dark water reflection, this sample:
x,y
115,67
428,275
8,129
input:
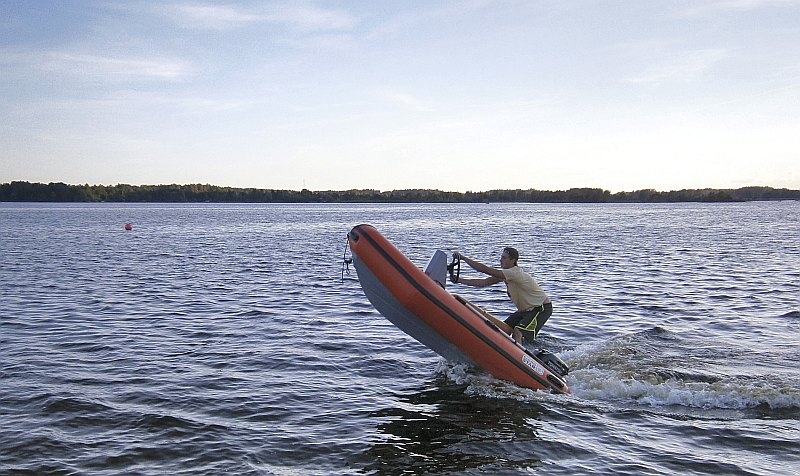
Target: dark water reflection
x,y
442,430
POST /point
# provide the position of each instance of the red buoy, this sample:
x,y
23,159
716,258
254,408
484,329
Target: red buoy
x,y
128,227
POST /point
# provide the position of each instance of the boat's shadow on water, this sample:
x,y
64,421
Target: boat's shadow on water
x,y
441,429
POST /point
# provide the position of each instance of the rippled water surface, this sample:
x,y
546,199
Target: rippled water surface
x,y
216,339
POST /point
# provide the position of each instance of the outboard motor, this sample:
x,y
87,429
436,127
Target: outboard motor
x,y
553,363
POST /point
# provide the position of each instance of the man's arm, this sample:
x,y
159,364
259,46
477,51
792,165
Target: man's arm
x,y
479,283
495,275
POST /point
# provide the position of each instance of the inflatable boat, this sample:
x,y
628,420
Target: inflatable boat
x,y
416,301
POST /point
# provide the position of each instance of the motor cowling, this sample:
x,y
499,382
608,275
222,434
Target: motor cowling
x,y
553,363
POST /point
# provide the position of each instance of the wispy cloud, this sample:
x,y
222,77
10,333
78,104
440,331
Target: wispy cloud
x,y
111,67
89,65
425,15
715,7
408,102
308,18
681,67
223,17
215,17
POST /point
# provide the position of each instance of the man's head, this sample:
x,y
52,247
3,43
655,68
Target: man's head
x,y
509,257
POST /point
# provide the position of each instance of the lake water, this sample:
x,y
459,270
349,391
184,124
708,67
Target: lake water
x,y
222,339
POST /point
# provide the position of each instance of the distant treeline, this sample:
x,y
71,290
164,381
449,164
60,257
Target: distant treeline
x,y
197,193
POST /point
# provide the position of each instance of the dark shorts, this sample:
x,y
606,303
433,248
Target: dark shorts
x,y
530,322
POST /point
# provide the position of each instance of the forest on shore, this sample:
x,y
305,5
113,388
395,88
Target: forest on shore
x,y
19,191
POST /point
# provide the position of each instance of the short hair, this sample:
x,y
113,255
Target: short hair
x,y
512,253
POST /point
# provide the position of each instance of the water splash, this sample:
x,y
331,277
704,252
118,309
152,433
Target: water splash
x,y
657,368
654,368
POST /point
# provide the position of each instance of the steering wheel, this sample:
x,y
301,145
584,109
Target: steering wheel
x,y
454,268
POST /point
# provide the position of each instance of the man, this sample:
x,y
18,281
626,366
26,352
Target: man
x,y
533,305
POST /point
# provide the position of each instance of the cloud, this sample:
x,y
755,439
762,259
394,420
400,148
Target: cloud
x,y
121,67
215,17
715,7
304,18
97,66
114,67
684,66
408,101
309,18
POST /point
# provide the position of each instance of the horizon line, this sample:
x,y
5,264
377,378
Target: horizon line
x,y
604,190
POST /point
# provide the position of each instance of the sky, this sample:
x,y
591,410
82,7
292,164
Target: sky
x,y
389,95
